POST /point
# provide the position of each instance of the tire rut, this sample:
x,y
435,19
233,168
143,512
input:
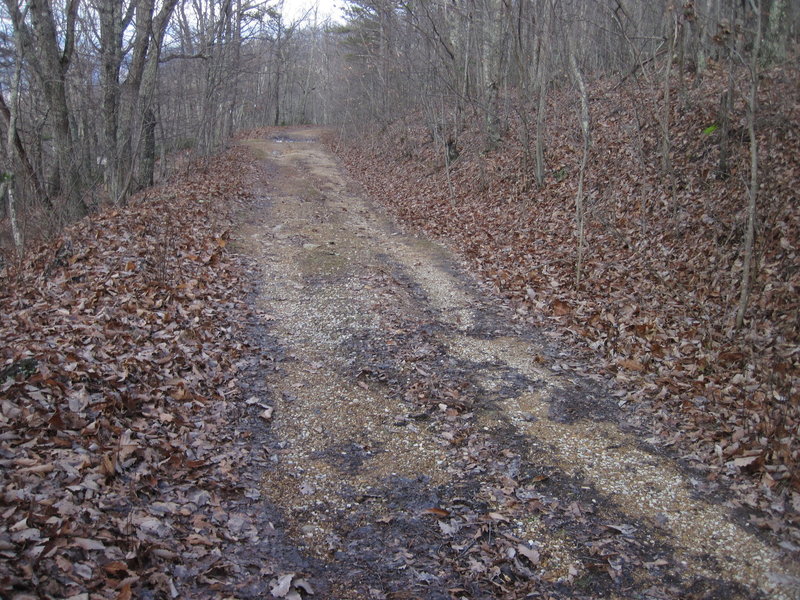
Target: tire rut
x,y
423,444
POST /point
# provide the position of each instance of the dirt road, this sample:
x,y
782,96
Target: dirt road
x,y
419,443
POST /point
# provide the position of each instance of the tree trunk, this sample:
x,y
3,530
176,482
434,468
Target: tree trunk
x,y
726,102
12,139
14,145
147,92
725,108
585,133
130,100
775,39
148,156
680,34
114,20
666,144
540,110
752,105
278,69
490,61
135,97
542,78
50,64
7,188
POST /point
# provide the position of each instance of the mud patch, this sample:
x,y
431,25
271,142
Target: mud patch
x,y
348,457
577,402
284,139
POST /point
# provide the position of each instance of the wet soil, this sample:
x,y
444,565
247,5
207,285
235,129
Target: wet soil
x,y
408,438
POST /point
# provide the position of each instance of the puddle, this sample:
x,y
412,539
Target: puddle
x,y
290,140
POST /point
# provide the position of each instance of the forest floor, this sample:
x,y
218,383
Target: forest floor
x,y
253,384
422,443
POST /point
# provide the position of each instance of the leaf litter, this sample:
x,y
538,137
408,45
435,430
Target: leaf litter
x,y
169,431
655,312
654,315
122,351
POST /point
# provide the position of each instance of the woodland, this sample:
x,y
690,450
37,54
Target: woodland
x,y
624,175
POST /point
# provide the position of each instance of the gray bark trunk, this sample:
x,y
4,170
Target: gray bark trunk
x,y
50,63
752,198
580,213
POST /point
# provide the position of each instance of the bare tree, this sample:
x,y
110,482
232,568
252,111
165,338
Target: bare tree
x,y
666,144
180,74
776,34
115,18
491,62
50,52
12,139
580,210
727,37
752,196
542,83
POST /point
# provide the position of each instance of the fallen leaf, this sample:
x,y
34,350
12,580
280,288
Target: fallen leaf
x,y
498,517
281,586
439,512
449,528
745,461
88,544
656,563
107,465
623,529
304,585
530,553
115,568
561,308
125,593
631,365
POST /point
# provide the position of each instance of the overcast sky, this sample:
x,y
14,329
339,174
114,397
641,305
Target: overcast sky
x,y
294,9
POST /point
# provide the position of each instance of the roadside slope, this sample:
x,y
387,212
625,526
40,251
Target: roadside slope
x,y
121,344
663,263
